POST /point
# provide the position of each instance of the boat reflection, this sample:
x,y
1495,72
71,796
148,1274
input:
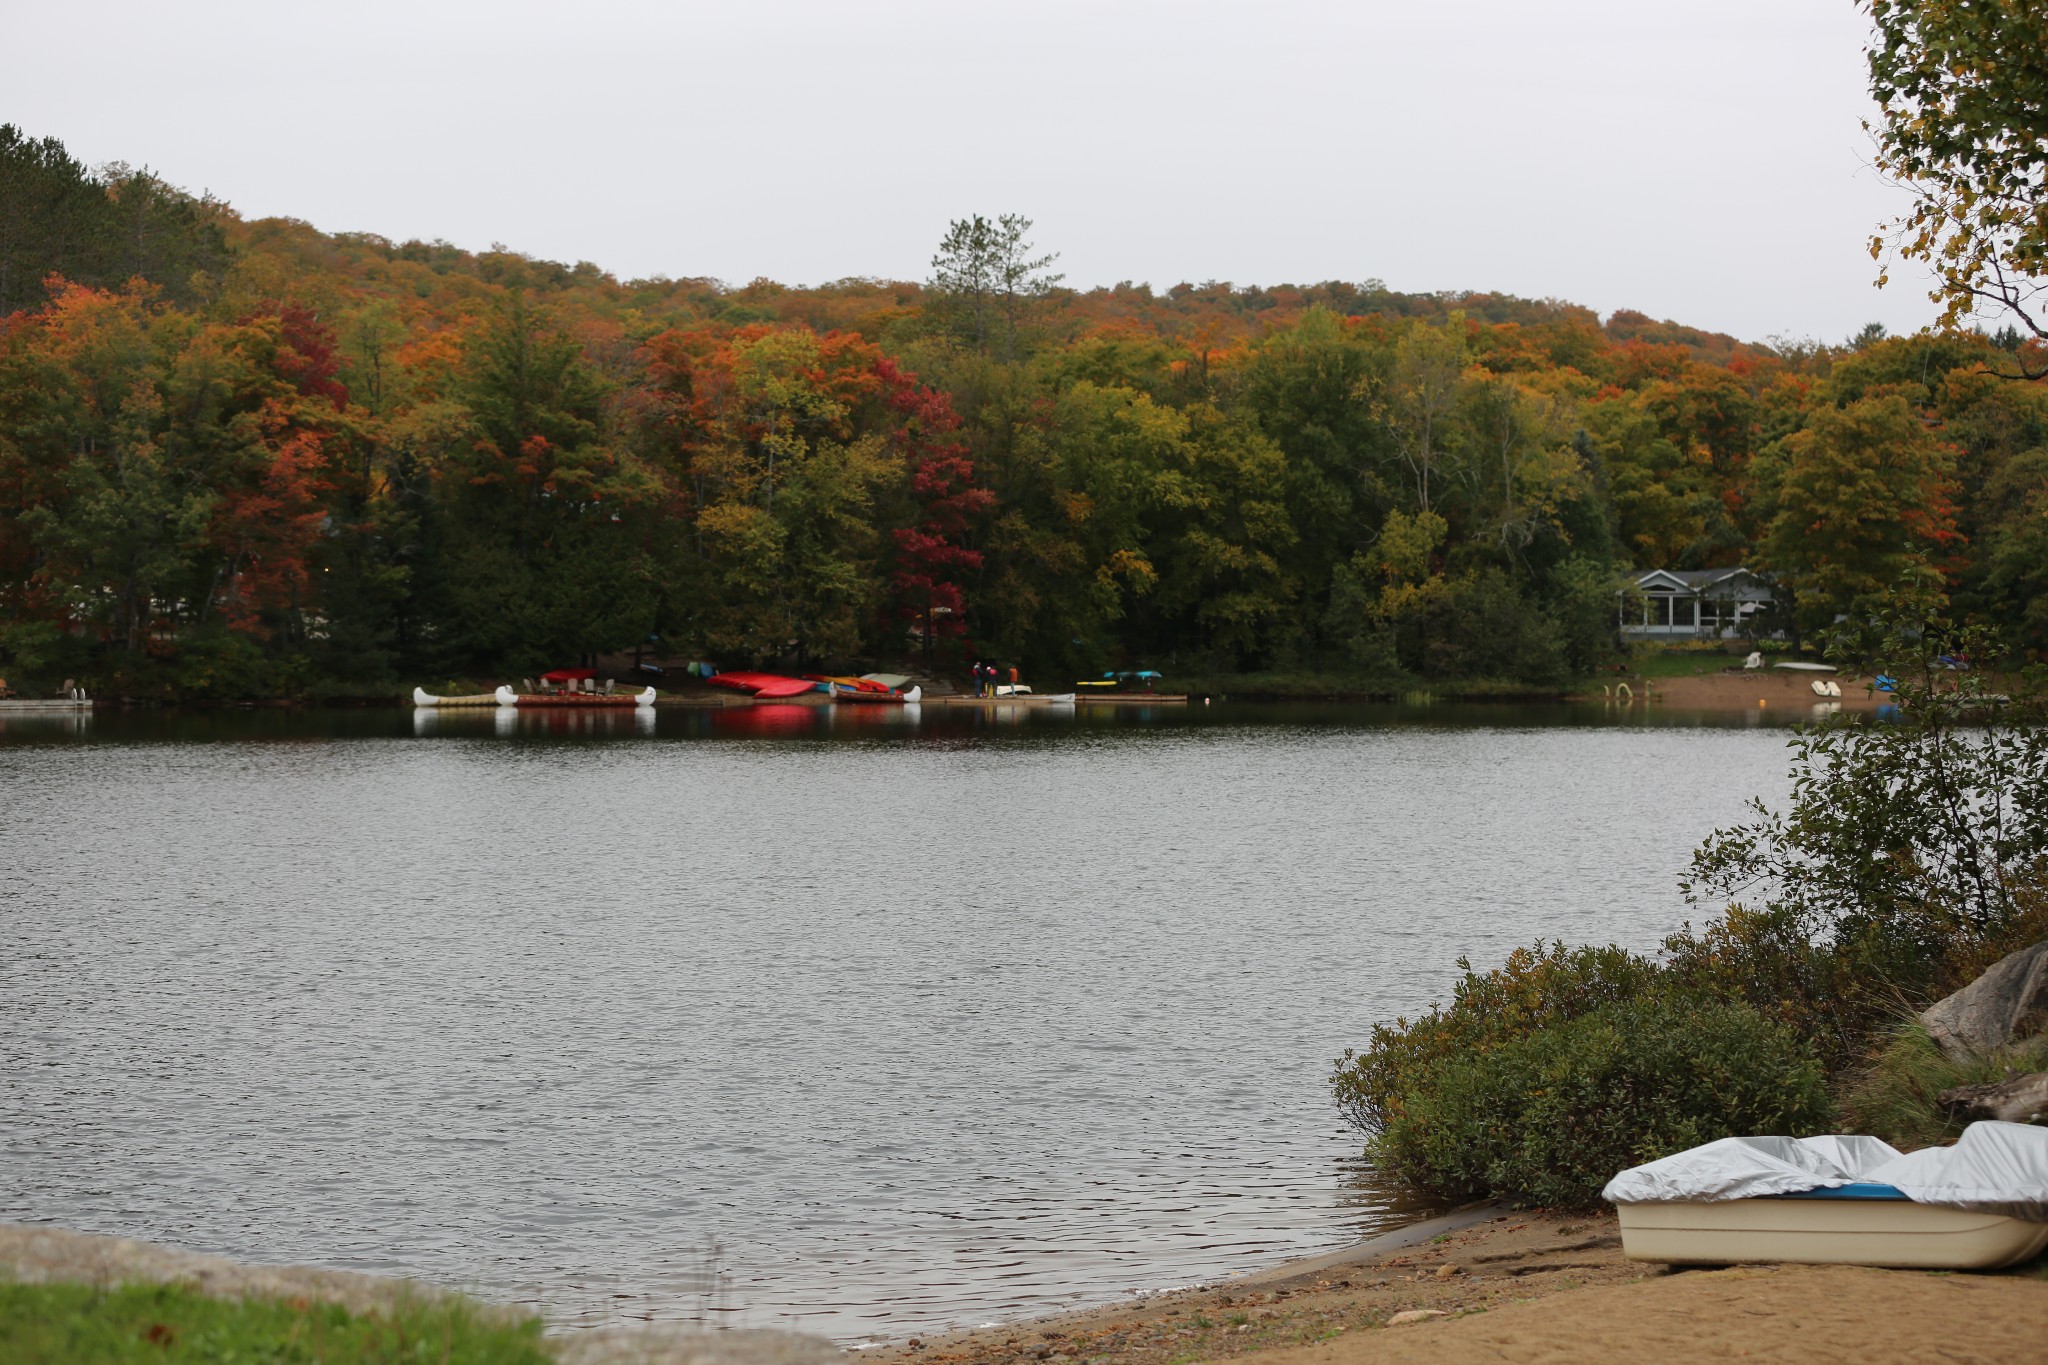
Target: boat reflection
x,y
45,724
507,722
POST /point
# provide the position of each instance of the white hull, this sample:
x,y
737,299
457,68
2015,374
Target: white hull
x,y
1876,1232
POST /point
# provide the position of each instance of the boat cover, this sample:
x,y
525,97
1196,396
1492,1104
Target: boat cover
x,y
1994,1168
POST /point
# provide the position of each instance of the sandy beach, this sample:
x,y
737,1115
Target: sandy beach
x,y
1786,692
1529,1287
1488,1283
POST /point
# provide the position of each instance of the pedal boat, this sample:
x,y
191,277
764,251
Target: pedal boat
x,y
1864,1224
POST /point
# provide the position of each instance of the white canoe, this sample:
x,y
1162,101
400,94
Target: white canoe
x,y
1897,1233
422,697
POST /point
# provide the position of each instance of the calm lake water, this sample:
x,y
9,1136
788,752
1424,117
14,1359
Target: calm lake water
x,y
854,1021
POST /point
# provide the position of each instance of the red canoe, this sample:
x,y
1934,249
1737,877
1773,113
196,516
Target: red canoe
x,y
763,684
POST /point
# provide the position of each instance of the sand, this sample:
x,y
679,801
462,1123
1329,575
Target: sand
x,y
1495,1284
1532,1287
1777,692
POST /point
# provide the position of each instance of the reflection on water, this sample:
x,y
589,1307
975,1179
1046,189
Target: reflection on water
x,y
825,721
864,1019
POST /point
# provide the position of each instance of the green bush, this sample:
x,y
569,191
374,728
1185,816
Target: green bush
x,y
1552,1115
1534,989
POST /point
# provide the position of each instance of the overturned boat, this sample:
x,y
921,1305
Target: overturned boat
x,y
868,696
1842,1200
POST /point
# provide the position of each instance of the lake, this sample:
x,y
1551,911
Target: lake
x,y
843,1019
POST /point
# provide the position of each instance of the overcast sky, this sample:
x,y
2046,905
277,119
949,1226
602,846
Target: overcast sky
x,y
1695,159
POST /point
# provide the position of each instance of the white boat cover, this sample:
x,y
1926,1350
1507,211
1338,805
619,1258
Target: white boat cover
x,y
1994,1168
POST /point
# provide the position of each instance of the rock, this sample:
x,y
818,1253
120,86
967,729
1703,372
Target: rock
x,y
2008,1004
1416,1315
667,1345
2023,1099
1444,1272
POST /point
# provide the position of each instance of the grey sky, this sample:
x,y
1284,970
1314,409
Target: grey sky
x,y
1694,159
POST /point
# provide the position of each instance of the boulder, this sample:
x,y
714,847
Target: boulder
x,y
2006,1005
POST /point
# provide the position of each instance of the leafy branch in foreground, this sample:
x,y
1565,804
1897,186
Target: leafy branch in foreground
x,y
1962,93
1909,844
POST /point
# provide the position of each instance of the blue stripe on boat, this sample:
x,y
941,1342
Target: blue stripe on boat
x,y
1850,1192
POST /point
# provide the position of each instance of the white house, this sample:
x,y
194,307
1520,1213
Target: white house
x,y
1693,604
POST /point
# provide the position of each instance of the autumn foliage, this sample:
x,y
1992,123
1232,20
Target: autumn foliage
x,y
331,456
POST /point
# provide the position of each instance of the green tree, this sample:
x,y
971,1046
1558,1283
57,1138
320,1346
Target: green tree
x,y
1962,94
550,530
1429,363
984,277
53,218
1854,500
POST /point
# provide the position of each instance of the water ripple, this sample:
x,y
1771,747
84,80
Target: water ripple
x,y
866,1036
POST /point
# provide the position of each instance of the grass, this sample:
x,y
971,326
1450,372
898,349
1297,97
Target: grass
x,y
1310,685
1661,661
1894,1097
156,1324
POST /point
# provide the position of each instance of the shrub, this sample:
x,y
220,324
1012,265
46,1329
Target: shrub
x,y
1552,1115
1536,987
1911,848
1894,1096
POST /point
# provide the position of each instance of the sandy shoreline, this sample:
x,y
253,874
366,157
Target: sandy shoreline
x,y
1485,1283
1506,1285
1767,691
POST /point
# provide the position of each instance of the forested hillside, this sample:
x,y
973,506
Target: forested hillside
x,y
253,456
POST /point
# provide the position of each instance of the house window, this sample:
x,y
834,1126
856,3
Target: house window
x,y
1660,610
1682,611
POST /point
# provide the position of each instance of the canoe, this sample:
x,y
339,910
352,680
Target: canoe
x,y
857,697
857,684
505,696
1872,1225
579,699
766,685
422,697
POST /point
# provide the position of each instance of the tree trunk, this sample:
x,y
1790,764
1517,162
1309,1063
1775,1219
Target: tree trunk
x,y
2023,1099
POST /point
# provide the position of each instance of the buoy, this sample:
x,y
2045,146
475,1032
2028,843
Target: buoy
x,y
1761,702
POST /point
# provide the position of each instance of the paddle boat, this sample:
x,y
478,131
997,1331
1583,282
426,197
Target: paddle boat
x,y
1113,689
1842,1200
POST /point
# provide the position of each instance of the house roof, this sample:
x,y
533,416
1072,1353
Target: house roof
x,y
1693,579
